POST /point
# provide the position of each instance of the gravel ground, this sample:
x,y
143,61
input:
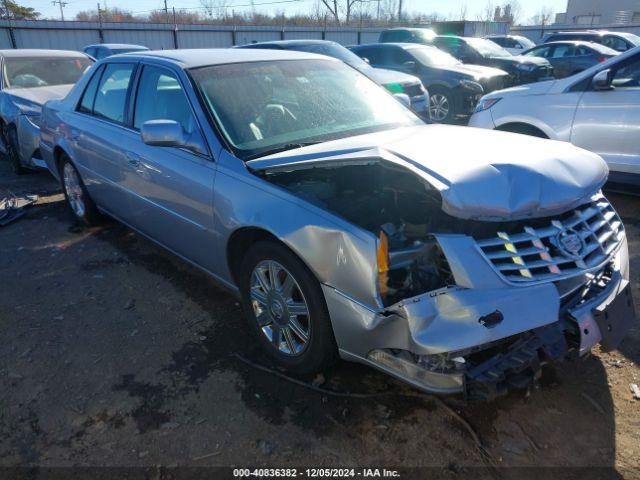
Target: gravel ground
x,y
115,353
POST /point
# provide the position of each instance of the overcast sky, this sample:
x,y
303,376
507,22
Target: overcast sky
x,y
443,7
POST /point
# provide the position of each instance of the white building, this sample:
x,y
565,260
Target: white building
x,y
600,12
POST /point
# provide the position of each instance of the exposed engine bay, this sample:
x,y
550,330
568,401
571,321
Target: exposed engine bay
x,y
395,205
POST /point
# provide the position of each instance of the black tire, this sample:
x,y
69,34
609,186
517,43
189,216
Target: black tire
x,y
440,92
89,214
523,130
11,144
320,351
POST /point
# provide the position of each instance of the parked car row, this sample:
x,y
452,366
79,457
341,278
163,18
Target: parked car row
x,y
456,259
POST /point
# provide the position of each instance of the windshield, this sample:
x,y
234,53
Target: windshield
x,y
487,48
433,57
335,51
26,72
264,106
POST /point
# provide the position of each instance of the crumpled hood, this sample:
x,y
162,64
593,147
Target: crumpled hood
x,y
480,174
36,97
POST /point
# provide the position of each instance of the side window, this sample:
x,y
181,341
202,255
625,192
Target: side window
x,y
560,51
161,97
372,54
86,104
582,51
614,42
499,40
111,96
628,75
101,53
91,51
539,52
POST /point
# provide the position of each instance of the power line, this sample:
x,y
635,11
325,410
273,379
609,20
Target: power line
x,y
220,7
62,5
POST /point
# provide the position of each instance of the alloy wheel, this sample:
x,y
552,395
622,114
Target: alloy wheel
x,y
73,189
438,107
280,308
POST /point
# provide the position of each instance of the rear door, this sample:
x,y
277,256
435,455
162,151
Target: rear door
x,y
99,131
173,186
561,57
608,122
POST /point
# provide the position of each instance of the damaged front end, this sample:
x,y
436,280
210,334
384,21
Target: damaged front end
x,y
468,306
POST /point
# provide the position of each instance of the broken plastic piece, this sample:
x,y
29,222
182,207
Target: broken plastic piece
x,y
12,207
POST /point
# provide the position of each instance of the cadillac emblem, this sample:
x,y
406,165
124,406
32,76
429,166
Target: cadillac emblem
x,y
570,243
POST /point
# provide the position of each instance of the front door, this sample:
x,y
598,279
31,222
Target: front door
x,y
607,122
173,186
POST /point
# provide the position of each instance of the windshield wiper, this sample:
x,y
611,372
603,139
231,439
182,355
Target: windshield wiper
x,y
281,148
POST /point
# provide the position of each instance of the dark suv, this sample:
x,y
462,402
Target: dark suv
x,y
619,41
479,51
454,88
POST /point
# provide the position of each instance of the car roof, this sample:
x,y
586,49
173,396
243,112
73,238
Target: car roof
x,y
116,45
409,29
292,43
403,45
38,52
202,57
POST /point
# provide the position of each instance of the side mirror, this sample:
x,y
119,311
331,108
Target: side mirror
x,y
163,133
169,133
602,80
409,66
403,98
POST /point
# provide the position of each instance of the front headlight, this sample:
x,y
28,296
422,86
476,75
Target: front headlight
x,y
526,67
470,84
34,119
486,103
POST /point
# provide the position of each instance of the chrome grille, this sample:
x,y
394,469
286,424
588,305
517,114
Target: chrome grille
x,y
538,254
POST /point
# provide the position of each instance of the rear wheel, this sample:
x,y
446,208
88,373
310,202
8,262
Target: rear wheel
x,y
441,105
284,305
75,192
13,151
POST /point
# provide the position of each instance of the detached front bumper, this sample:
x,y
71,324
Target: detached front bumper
x,y
29,142
481,341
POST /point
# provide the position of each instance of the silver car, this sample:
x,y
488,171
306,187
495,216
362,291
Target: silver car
x,y
456,259
598,109
29,79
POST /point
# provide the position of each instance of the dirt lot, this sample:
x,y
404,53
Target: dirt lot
x,y
114,353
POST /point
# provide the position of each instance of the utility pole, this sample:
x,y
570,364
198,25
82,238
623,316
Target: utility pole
x,y
166,12
378,11
399,11
62,4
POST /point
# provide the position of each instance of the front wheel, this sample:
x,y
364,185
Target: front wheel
x,y
284,305
75,192
441,106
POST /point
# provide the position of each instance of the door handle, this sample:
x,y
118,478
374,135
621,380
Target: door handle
x,y
132,159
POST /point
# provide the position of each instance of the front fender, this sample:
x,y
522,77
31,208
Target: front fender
x,y
339,254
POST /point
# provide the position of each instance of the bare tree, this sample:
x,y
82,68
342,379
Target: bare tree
x,y
543,17
487,13
516,10
214,8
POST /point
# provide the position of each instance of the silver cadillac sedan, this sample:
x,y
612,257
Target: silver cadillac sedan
x,y
458,260
30,78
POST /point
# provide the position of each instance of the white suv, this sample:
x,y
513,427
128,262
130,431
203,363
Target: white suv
x,y
598,109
